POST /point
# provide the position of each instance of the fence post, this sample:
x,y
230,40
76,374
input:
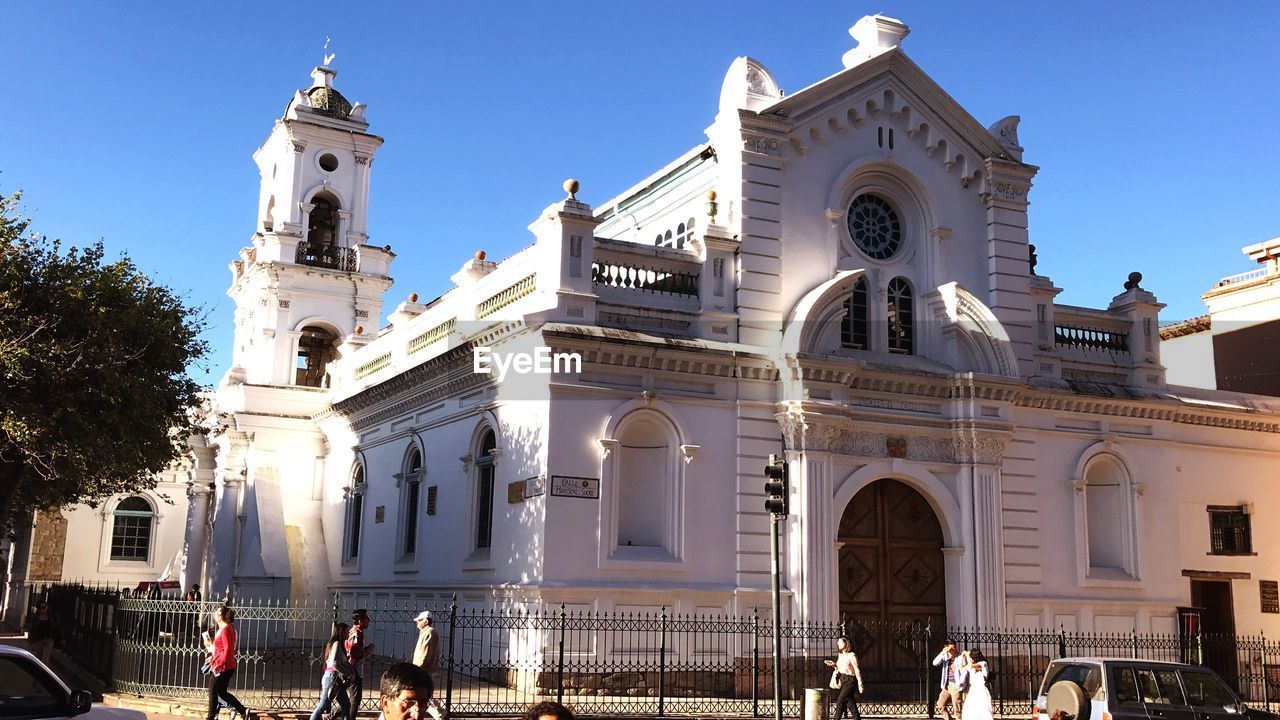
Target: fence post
x,y
1062,641
755,662
662,659
1266,685
448,682
1133,641
1199,646
560,660
928,645
1003,666
1031,672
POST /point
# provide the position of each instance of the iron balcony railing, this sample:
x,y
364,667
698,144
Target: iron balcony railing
x,y
326,256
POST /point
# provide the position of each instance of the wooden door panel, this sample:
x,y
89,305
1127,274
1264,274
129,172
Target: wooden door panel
x,y
890,563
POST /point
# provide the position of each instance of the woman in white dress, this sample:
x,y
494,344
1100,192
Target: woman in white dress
x,y
977,701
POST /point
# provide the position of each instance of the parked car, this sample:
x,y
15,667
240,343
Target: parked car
x,y
1130,689
29,690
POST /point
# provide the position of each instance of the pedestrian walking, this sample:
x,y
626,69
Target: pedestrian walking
x,y
977,704
357,650
951,694
338,673
849,676
426,654
405,693
42,630
222,666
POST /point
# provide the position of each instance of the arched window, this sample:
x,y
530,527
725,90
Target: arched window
x,y
316,349
680,237
354,516
853,329
410,493
644,484
484,491
901,326
133,523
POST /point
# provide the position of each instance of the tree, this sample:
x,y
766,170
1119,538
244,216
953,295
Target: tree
x,y
94,395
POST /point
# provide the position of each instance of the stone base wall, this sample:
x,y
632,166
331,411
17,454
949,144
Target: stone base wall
x,y
48,546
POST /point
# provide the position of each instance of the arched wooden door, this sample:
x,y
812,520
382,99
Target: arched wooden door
x,y
892,580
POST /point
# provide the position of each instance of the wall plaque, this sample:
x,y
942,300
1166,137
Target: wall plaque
x,y
515,492
534,486
579,487
1269,590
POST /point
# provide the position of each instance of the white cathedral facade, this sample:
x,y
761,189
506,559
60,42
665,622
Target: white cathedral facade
x,y
841,275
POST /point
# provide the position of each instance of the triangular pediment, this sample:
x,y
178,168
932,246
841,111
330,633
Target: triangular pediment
x,y
917,100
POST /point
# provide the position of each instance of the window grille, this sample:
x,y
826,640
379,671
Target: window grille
x,y
1229,531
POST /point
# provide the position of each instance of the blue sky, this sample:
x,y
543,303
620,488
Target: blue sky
x,y
1153,123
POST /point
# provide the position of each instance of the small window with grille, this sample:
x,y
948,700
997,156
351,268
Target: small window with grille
x,y
1229,530
431,500
131,530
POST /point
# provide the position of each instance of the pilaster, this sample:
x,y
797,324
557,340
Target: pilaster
x,y
812,561
1008,256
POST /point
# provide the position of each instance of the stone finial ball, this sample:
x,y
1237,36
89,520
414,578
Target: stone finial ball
x,y
413,297
359,329
480,256
1135,278
571,186
711,195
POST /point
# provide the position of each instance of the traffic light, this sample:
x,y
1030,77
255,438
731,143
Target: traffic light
x,y
775,486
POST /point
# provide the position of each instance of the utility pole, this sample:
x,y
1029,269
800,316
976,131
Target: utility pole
x,y
777,494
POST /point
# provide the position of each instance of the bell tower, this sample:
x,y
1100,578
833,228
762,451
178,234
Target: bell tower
x,y
309,280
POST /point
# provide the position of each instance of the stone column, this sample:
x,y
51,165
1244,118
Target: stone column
x,y
200,493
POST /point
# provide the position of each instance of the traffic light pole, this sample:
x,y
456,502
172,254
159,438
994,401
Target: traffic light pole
x,y
774,519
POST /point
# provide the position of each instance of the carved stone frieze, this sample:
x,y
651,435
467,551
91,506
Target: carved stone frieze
x,y
762,145
844,436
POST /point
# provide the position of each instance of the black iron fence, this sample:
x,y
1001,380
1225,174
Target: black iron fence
x,y
499,660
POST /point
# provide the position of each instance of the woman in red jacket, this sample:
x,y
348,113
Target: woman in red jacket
x,y
222,665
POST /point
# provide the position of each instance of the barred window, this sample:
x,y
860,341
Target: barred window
x,y
131,530
1229,530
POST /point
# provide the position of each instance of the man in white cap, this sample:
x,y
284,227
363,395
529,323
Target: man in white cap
x,y
427,652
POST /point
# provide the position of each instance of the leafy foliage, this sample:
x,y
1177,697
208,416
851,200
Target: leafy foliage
x,y
94,395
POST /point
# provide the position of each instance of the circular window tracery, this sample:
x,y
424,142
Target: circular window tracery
x,y
874,226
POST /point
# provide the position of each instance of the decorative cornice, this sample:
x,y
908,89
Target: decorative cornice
x,y
441,376
1147,410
